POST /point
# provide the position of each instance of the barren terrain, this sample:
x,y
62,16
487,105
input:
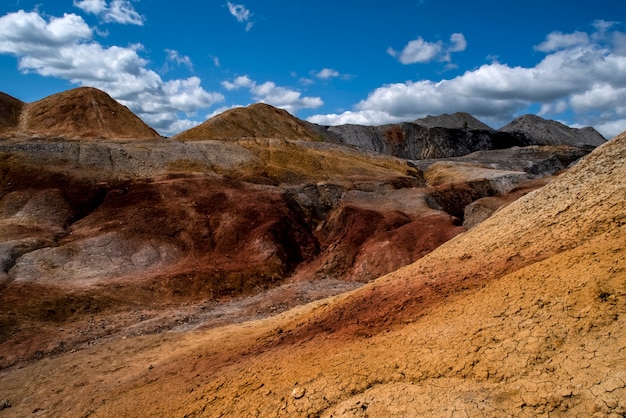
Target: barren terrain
x,y
255,276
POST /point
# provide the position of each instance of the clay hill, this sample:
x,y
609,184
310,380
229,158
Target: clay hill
x,y
285,273
83,112
259,120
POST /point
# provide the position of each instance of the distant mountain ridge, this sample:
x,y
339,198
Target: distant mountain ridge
x,y
416,142
89,113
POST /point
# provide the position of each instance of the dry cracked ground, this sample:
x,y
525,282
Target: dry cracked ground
x,y
106,310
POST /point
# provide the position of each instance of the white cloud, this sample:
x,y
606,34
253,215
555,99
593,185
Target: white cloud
x,y
176,57
117,11
611,128
270,93
583,74
559,40
417,50
327,73
556,107
458,42
362,117
241,13
421,51
619,43
95,7
216,60
22,32
63,48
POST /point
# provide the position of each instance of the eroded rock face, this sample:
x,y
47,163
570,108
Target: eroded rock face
x,y
417,142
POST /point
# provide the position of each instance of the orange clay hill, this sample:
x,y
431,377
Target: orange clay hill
x,y
265,272
259,120
84,112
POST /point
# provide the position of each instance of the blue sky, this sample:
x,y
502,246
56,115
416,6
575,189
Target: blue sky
x,y
176,64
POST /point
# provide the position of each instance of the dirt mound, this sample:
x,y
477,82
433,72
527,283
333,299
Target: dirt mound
x,y
10,110
84,112
259,120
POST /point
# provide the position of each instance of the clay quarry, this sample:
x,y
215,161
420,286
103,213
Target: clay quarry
x,y
260,265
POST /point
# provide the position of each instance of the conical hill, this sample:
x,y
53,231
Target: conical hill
x,y
259,120
84,112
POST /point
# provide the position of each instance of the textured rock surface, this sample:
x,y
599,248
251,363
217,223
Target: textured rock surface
x,y
459,120
416,142
550,132
521,316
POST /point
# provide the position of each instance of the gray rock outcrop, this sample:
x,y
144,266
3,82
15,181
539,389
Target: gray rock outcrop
x,y
458,120
550,132
416,142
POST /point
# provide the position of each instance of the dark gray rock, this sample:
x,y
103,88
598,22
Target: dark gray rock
x,y
415,142
459,120
549,132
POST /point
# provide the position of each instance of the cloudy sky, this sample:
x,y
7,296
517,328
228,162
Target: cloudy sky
x,y
176,64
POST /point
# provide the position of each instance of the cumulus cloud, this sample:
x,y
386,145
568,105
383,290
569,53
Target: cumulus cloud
x,y
241,13
63,47
415,51
117,11
327,73
268,92
558,40
458,42
421,51
581,73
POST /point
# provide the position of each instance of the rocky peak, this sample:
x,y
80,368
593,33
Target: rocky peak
x,y
458,120
550,132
